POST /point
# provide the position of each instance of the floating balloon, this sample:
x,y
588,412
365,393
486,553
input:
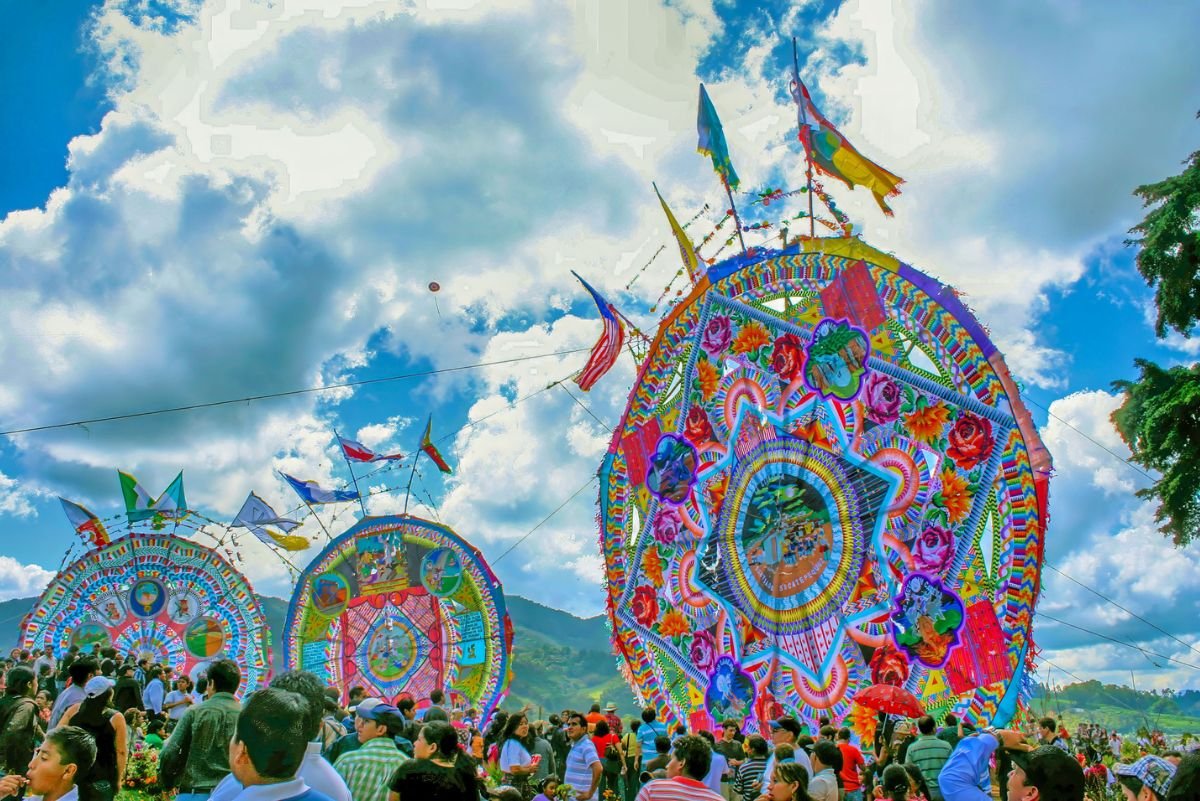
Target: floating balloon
x,y
164,597
823,480
402,606
434,286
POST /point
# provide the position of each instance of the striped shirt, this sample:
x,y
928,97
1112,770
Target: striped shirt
x,y
747,778
929,753
680,788
580,759
368,770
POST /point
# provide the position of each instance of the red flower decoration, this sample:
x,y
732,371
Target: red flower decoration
x,y
970,440
787,358
645,605
888,666
697,427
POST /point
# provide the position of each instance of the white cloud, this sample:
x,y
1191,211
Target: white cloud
x,y
21,581
14,499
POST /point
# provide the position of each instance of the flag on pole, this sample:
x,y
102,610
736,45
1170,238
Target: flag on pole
x,y
357,452
690,260
431,450
608,346
311,492
712,140
86,524
140,506
256,514
833,154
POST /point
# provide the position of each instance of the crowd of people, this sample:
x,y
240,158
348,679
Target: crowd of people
x,y
68,729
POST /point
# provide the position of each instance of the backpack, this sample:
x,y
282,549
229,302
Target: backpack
x,y
612,758
331,731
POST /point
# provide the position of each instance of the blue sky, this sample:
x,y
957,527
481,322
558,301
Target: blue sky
x,y
210,200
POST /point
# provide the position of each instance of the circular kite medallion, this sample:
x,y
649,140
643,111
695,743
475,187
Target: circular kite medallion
x,y
401,606
186,605
824,479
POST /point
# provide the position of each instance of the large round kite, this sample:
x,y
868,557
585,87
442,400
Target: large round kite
x,y
155,595
402,606
824,480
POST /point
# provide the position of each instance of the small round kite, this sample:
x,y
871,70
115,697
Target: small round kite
x,y
161,596
401,606
824,479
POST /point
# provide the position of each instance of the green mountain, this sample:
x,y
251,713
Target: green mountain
x,y
560,661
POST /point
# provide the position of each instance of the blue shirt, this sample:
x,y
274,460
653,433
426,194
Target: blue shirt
x,y
580,759
646,734
961,775
153,696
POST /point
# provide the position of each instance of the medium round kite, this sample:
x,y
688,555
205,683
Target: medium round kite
x,y
161,596
402,606
824,479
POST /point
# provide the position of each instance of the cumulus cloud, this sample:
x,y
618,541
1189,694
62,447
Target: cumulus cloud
x,y
21,581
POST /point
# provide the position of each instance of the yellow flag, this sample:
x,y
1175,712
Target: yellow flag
x,y
289,542
690,260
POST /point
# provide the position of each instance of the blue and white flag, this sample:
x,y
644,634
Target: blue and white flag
x,y
312,492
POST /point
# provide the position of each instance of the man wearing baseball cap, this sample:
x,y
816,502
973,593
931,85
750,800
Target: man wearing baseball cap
x,y
785,730
1148,779
1046,773
369,770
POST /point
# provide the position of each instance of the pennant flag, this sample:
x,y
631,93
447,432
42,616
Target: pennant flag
x,y
256,514
608,346
86,524
833,154
690,260
712,140
312,492
431,450
357,452
140,506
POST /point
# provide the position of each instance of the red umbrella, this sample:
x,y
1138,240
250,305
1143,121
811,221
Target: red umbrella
x,y
890,699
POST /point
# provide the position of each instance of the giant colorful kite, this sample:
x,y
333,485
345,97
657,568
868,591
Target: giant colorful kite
x,y
156,595
402,606
824,479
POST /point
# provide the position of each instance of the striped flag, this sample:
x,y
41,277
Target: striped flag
x,y
431,450
608,346
357,452
86,524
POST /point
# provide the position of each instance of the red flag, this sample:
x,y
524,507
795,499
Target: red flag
x,y
357,452
431,450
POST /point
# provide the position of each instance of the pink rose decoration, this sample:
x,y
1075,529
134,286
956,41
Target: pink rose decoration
x,y
933,550
881,397
667,525
717,335
704,651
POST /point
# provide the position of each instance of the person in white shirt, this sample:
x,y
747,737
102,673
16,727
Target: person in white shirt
x,y
268,748
826,759
179,700
316,772
66,754
155,693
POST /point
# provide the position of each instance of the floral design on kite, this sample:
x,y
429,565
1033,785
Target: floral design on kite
x,y
971,440
717,335
882,397
703,651
645,605
933,550
698,428
787,357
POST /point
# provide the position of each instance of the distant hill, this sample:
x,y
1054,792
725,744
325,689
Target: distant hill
x,y
560,660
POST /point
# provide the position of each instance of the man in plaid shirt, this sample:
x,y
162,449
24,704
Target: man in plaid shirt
x,y
368,770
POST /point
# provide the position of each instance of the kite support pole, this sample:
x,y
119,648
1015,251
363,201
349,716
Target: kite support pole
x,y
361,503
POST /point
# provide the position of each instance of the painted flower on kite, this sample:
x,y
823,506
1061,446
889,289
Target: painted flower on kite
x,y
672,470
667,525
933,549
970,440
716,493
673,624
697,428
717,335
889,666
926,422
652,566
645,605
787,357
703,651
750,338
956,495
882,397
767,708
707,378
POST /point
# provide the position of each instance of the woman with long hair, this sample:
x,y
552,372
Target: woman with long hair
x,y
439,771
789,782
515,759
107,726
894,784
612,757
917,786
21,727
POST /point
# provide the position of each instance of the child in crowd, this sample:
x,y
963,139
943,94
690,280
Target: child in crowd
x,y
546,789
154,734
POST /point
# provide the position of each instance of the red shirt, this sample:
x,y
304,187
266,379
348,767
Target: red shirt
x,y
602,743
852,760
